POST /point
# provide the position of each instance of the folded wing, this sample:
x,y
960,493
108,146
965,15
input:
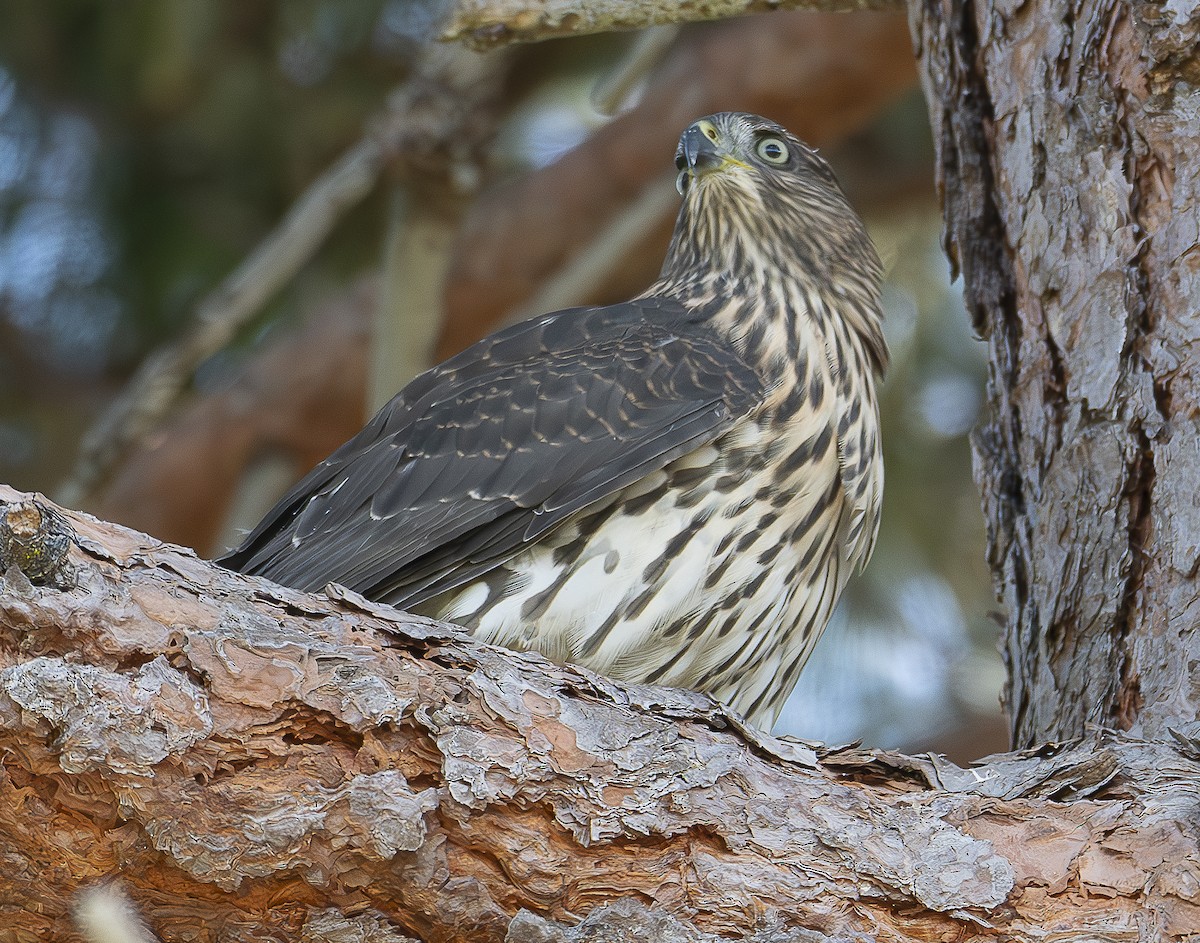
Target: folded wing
x,y
487,453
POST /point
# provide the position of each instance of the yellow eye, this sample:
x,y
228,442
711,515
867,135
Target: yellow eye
x,y
773,151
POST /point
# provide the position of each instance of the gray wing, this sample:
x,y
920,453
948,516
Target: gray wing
x,y
487,453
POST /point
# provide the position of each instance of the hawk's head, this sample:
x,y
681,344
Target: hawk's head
x,y
732,152
762,211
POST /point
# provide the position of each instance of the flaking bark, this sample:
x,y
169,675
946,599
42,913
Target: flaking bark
x,y
257,763
1068,135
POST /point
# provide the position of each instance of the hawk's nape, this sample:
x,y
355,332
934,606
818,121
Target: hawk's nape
x,y
671,490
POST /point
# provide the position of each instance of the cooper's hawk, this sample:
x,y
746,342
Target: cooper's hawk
x,y
671,490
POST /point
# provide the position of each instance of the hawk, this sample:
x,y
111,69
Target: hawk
x,y
673,490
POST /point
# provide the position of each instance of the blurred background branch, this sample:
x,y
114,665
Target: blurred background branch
x,y
645,51
408,314
427,117
487,23
153,390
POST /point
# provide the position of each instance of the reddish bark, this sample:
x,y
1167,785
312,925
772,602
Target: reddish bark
x,y
261,764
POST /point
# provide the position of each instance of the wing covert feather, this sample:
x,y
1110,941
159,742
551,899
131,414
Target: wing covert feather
x,y
499,445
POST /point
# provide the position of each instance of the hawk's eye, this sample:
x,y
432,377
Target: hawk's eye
x,y
773,151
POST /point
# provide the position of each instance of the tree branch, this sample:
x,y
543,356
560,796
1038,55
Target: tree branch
x,y
162,377
485,24
586,273
247,756
645,52
425,118
408,311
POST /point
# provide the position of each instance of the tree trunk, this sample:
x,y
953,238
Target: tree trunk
x,y
1069,136
261,764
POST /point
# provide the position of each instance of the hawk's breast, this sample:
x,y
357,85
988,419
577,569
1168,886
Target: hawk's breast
x,y
716,573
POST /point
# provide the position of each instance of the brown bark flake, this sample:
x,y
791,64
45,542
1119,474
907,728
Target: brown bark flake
x,y
256,763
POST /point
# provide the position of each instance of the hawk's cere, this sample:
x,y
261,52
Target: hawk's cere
x,y
672,490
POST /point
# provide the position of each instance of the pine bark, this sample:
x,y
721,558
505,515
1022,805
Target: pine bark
x,y
1068,136
259,764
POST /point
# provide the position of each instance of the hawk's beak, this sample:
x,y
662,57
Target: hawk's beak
x,y
702,151
700,148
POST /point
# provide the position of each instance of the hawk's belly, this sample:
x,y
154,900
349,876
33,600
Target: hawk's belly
x,y
717,573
